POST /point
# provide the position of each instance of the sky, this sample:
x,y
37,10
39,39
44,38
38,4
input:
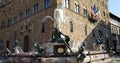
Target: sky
x,y
114,7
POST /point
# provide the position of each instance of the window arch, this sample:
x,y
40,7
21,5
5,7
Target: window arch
x,y
46,3
77,9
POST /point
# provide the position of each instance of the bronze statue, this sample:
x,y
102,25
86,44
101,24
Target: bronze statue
x,y
59,37
56,36
81,55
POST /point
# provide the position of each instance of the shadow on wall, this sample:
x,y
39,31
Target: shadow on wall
x,y
99,38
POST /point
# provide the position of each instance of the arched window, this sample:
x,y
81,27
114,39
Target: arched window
x,y
21,16
85,29
36,8
66,3
28,12
15,19
77,9
43,27
71,26
15,35
26,43
85,12
46,3
8,44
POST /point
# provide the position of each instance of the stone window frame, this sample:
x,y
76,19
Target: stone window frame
x,y
36,8
8,44
21,16
71,26
14,19
67,3
1,44
103,4
47,3
103,13
42,27
15,35
85,12
85,26
9,22
111,28
28,12
114,29
77,7
3,24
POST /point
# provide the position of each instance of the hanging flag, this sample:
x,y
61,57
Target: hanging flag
x,y
96,11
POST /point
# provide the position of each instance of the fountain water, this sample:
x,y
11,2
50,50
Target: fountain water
x,y
18,49
58,16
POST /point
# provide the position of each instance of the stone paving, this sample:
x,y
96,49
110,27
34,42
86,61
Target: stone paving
x,y
115,59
